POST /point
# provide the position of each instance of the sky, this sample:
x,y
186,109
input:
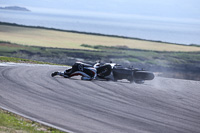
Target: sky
x,y
164,8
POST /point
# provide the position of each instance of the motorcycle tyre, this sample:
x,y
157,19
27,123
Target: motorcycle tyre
x,y
143,75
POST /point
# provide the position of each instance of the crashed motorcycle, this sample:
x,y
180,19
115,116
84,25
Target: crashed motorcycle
x,y
115,72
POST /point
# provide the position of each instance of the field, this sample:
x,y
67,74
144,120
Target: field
x,y
63,39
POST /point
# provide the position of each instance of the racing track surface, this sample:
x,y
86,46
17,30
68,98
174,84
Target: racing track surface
x,y
159,106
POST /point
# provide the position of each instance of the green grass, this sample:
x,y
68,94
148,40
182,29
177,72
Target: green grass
x,y
149,57
21,60
104,53
12,123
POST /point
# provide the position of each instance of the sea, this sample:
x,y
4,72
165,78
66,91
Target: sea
x,y
174,30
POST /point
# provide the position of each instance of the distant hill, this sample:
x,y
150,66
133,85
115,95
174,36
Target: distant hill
x,y
16,8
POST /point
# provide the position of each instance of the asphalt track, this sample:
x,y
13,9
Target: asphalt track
x,y
160,106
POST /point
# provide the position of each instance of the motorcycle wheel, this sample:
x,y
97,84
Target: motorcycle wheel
x,y
104,71
143,75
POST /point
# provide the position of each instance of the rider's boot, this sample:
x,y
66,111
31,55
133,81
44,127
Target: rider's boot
x,y
60,74
54,74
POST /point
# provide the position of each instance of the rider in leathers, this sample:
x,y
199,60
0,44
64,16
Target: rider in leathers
x,y
88,72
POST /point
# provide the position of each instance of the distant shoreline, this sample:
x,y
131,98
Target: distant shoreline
x,y
90,33
15,8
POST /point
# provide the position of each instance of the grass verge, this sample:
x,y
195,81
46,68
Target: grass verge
x,y
20,60
11,123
